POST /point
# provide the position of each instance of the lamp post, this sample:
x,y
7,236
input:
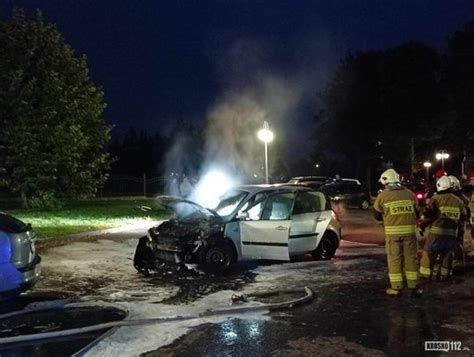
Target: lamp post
x,y
442,155
266,136
427,165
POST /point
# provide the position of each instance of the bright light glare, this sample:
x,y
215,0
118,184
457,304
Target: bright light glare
x,y
427,164
265,135
442,155
210,187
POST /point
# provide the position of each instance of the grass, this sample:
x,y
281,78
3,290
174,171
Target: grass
x,y
89,215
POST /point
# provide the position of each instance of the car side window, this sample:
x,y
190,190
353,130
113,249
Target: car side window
x,y
309,202
256,206
278,206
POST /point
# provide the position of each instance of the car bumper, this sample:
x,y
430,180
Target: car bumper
x,y
30,273
18,279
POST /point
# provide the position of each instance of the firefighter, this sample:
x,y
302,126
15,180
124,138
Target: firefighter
x,y
396,206
457,190
443,214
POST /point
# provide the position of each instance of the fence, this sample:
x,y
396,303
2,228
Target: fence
x,y
124,185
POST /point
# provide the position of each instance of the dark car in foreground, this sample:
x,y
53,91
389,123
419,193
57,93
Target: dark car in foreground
x,y
273,222
350,192
19,263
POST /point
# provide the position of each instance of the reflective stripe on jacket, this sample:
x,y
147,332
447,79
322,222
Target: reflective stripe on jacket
x,y
448,210
398,207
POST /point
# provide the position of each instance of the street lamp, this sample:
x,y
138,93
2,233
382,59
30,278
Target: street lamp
x,y
266,136
442,155
427,165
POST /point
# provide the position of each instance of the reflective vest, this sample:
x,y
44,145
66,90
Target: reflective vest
x,y
448,210
398,207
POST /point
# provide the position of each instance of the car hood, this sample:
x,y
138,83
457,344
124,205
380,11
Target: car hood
x,y
188,210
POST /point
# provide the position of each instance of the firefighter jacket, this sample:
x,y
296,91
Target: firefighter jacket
x,y
398,208
467,206
446,212
471,207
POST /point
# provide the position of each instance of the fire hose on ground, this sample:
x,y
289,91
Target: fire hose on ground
x,y
309,295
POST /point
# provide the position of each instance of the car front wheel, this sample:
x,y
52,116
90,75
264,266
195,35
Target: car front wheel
x,y
326,248
215,258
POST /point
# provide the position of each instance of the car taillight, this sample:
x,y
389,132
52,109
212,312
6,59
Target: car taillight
x,y
419,196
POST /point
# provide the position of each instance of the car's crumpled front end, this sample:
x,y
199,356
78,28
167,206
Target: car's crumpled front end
x,y
178,239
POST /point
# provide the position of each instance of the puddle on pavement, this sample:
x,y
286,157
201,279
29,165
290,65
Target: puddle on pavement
x,y
193,284
55,320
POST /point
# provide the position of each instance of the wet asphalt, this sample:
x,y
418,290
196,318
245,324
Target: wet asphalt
x,y
350,315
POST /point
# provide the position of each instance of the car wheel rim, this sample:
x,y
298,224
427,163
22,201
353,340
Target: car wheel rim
x,y
365,205
216,257
326,248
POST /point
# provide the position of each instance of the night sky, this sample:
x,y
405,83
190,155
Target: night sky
x,y
162,61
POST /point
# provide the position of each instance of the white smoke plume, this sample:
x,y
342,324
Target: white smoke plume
x,y
254,90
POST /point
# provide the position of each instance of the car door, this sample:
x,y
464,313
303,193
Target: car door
x,y
266,236
309,220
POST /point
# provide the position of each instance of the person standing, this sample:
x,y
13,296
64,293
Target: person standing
x,y
396,206
443,214
457,190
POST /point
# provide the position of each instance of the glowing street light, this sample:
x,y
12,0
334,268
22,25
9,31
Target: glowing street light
x,y
442,155
266,136
427,165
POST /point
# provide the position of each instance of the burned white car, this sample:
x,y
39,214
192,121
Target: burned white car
x,y
273,222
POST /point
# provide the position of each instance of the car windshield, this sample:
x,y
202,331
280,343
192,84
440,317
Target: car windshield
x,y
229,202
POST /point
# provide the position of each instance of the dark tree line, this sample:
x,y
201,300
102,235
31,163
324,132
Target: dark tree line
x,y
157,154
398,106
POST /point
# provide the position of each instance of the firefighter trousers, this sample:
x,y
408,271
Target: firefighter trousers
x,y
402,260
429,258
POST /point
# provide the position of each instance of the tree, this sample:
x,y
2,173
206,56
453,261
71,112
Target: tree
x,y
375,104
53,133
460,88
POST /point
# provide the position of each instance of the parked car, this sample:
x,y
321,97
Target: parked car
x,y
19,263
310,181
250,222
301,179
349,192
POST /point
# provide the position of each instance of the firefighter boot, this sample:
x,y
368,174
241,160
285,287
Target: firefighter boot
x,y
393,292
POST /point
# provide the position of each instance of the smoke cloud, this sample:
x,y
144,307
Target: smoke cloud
x,y
256,89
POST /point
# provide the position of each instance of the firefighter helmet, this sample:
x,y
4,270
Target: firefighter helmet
x,y
455,184
389,176
444,183
440,173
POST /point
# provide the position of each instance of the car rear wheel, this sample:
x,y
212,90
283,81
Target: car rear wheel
x,y
326,248
215,258
365,204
